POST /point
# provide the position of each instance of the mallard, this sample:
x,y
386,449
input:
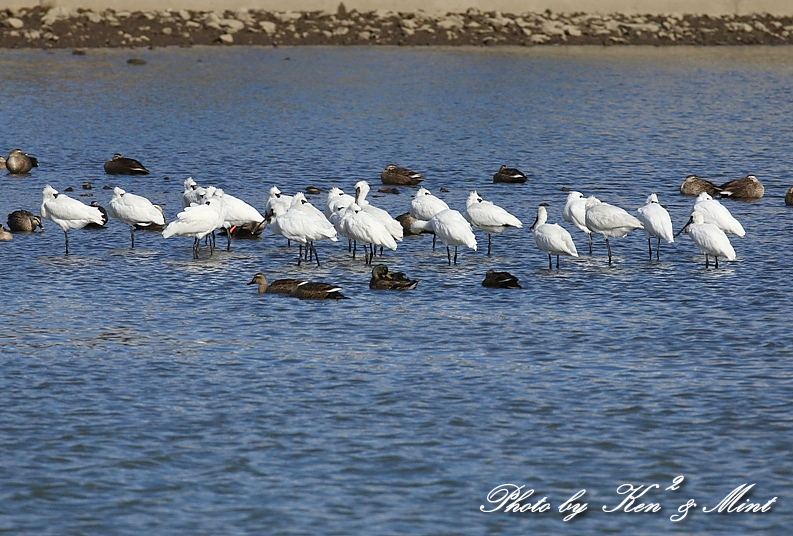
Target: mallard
x,y
399,176
382,280
119,165
746,188
693,185
23,221
495,279
510,175
19,163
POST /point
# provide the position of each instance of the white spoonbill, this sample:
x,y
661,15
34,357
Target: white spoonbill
x,y
609,221
425,205
336,197
657,223
552,238
197,221
134,210
488,217
301,226
714,212
67,213
236,213
365,228
709,238
275,197
192,194
574,211
393,226
452,229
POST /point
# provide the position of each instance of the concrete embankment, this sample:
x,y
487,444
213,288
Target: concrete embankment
x,y
64,27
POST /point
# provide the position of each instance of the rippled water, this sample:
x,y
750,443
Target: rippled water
x,y
143,391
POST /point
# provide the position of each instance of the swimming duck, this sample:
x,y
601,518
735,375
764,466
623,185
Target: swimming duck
x,y
383,280
119,165
279,286
23,221
495,279
789,197
693,185
746,188
400,176
510,175
5,236
406,220
19,163
318,291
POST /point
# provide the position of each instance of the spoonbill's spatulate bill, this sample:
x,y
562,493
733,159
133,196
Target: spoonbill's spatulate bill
x,y
657,223
68,213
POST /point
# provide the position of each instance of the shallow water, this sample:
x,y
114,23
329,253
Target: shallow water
x,y
146,391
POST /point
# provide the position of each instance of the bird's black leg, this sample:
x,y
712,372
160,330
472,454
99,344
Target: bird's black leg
x,y
316,255
132,236
433,242
557,262
658,250
717,260
488,244
590,243
650,247
707,265
455,255
449,255
609,249
299,253
550,265
67,241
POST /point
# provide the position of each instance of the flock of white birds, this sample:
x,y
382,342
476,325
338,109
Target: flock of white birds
x,y
207,209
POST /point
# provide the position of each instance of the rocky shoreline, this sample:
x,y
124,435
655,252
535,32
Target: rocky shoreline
x,y
59,27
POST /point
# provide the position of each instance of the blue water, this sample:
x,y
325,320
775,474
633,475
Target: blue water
x,y
143,391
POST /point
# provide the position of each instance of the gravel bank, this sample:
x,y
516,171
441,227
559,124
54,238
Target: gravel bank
x,y
60,27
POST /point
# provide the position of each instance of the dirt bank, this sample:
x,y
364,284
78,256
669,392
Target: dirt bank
x,y
61,27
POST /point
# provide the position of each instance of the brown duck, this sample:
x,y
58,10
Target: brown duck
x,y
383,280
23,221
399,176
279,286
119,165
299,288
19,163
746,188
510,175
495,279
789,197
693,185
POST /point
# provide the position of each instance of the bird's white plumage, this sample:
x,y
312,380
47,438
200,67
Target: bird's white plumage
x,y
363,227
67,213
275,197
197,221
574,211
300,225
451,228
192,193
425,205
608,220
336,198
552,238
656,220
236,211
714,212
709,238
487,216
133,209
393,226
